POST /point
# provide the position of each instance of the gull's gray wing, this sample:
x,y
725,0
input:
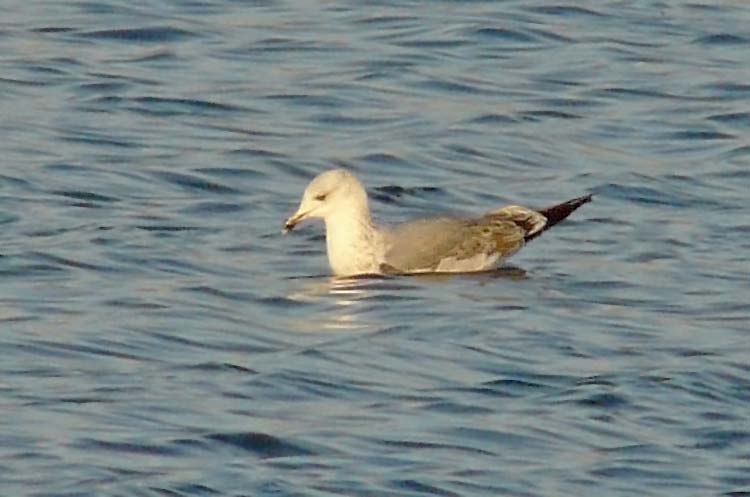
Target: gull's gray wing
x,y
423,244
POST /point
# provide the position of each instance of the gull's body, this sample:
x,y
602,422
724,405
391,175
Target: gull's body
x,y
357,246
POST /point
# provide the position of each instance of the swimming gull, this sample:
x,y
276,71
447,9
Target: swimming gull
x,y
444,244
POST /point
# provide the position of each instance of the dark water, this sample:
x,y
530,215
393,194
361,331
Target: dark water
x,y
159,336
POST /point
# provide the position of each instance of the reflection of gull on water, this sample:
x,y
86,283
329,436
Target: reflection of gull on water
x,y
344,294
347,303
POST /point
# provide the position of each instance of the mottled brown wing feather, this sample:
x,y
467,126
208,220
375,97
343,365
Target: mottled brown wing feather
x,y
487,235
513,226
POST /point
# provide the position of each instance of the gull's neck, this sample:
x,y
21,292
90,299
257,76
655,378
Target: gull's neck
x,y
354,243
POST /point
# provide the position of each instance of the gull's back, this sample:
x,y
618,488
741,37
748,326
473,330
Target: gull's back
x,y
420,245
458,245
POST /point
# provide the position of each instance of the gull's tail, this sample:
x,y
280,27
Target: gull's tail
x,y
558,212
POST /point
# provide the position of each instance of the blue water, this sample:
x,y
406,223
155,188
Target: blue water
x,y
160,337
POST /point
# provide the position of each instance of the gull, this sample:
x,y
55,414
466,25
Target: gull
x,y
357,246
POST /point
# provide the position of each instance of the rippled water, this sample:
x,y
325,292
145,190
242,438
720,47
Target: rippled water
x,y
160,337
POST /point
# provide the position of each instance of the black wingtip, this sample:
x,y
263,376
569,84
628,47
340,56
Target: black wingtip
x,y
558,212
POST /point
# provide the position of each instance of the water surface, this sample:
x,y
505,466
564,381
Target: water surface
x,y
160,337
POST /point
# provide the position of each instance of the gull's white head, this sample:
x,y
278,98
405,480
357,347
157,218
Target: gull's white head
x,y
333,192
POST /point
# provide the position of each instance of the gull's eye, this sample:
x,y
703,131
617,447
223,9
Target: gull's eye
x,y
321,197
